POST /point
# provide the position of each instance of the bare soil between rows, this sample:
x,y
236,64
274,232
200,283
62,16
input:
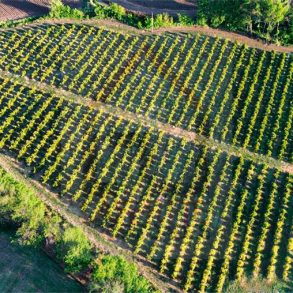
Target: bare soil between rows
x,y
148,122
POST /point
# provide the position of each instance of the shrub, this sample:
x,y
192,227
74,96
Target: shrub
x,y
116,11
185,20
58,10
100,12
75,250
163,20
116,270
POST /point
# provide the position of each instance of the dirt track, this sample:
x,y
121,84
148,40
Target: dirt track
x,y
17,9
172,7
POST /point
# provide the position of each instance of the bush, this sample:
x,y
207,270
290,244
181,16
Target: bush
x,y
116,11
185,20
75,250
163,20
269,19
58,10
116,270
100,12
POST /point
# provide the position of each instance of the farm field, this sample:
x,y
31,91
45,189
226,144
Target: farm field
x,y
197,214
211,86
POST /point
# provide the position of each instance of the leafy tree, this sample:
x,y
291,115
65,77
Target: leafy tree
x,y
58,10
261,17
266,15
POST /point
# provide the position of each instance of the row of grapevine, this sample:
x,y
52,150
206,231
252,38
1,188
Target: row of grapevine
x,y
207,85
199,215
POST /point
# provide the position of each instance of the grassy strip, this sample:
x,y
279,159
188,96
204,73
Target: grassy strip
x,y
28,269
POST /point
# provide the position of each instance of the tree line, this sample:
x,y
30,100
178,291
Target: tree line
x,y
268,19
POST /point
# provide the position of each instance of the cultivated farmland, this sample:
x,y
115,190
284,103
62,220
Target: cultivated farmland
x,y
199,213
211,86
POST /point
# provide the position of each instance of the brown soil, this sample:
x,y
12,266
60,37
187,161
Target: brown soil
x,y
18,9
172,7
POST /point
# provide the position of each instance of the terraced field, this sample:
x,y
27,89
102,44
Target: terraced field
x,y
211,86
200,214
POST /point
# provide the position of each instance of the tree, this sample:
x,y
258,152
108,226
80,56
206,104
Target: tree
x,y
266,15
261,17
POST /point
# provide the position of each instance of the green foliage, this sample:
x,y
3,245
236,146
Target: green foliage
x,y
118,12
163,20
160,20
185,20
17,22
23,207
100,12
116,272
75,250
270,19
58,10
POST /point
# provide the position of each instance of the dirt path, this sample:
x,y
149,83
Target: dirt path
x,y
74,216
123,28
172,7
146,121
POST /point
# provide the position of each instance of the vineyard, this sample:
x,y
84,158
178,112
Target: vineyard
x,y
250,89
197,214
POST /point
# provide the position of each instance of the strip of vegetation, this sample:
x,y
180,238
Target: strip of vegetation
x,y
17,22
268,19
254,285
117,12
39,226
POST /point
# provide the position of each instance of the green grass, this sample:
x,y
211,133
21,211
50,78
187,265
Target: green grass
x,y
25,269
